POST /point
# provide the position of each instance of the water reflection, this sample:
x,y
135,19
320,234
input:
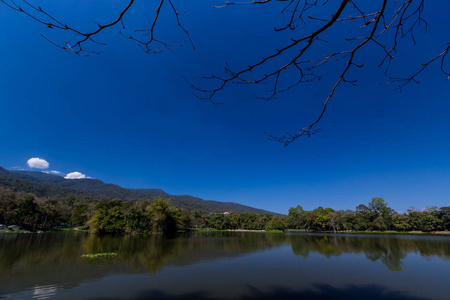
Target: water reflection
x,y
390,250
45,292
323,292
43,264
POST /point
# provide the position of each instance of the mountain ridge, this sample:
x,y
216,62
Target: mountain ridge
x,y
54,186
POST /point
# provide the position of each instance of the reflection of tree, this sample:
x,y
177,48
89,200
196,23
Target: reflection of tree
x,y
389,250
25,257
51,253
151,252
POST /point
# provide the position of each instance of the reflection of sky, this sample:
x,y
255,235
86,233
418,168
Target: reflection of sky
x,y
45,292
38,292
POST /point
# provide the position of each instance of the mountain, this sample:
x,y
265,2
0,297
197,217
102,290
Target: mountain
x,y
37,176
15,183
55,186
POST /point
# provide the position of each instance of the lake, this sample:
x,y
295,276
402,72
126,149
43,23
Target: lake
x,y
225,265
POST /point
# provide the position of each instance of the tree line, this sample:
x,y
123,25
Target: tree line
x,y
115,216
159,216
376,216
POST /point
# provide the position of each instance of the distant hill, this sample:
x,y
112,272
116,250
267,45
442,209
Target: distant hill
x,y
54,186
17,184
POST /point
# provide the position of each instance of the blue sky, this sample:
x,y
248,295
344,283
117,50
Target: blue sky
x,y
129,118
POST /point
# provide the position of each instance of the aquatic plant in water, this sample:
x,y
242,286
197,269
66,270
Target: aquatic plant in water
x,y
99,255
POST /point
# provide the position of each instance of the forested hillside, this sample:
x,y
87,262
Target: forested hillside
x,y
53,186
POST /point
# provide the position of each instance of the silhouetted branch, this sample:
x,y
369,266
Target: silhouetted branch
x,y
297,61
54,23
403,23
40,15
405,81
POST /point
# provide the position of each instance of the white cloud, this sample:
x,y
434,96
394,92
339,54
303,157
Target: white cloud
x,y
53,172
76,175
38,163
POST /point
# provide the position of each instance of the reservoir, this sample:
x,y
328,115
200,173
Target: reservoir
x,y
224,265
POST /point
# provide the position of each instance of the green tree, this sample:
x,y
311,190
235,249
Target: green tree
x,y
362,209
415,219
249,220
445,216
318,219
217,221
430,222
378,224
49,214
185,221
233,219
336,220
79,214
109,218
276,223
8,207
378,205
162,213
401,222
296,217
27,211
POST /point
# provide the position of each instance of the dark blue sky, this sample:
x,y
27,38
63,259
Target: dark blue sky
x,y
130,118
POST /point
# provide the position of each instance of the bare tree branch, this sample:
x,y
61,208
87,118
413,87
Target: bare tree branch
x,y
405,20
77,46
297,61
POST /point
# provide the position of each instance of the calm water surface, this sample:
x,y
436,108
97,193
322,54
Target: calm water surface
x,y
225,265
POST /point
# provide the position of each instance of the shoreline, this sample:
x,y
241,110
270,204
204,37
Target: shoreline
x,y
389,232
431,233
